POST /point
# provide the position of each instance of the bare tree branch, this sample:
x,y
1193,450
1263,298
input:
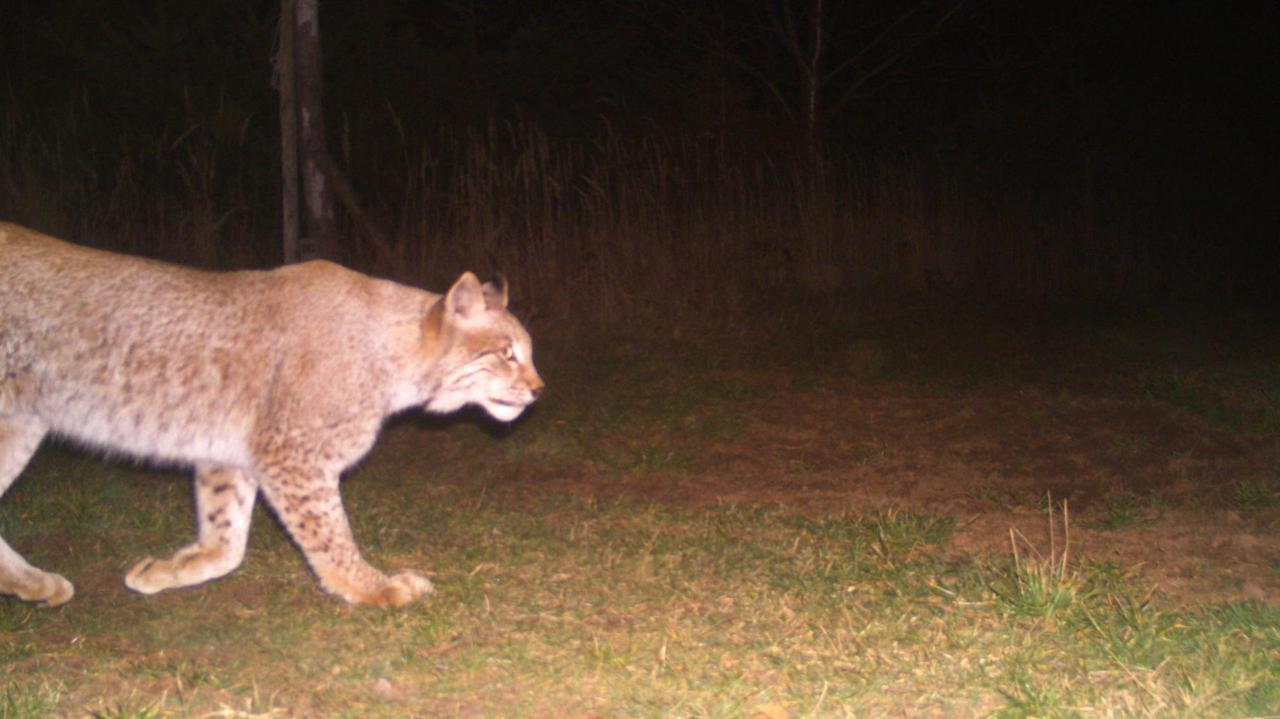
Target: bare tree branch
x,y
785,28
873,44
851,91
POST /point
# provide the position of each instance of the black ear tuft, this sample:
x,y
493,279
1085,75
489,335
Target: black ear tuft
x,y
465,299
495,296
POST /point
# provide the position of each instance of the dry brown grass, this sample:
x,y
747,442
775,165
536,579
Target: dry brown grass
x,y
635,228
652,224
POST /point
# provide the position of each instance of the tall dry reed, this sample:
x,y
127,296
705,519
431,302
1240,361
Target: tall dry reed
x,y
621,228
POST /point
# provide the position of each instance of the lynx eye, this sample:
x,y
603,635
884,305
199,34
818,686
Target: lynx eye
x,y
508,353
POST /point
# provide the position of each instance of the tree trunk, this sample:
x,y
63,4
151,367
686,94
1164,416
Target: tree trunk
x,y
288,135
320,239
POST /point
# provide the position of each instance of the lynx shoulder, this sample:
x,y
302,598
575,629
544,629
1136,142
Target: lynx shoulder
x,y
263,381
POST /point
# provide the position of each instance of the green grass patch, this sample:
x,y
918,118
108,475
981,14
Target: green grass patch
x,y
1122,510
1252,496
662,405
1038,586
1191,392
22,701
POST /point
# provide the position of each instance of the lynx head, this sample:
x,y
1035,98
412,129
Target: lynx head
x,y
488,356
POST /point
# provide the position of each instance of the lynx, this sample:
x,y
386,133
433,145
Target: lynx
x,y
263,381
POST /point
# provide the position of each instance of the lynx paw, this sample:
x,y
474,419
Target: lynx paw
x,y
151,575
191,565
61,593
399,590
44,588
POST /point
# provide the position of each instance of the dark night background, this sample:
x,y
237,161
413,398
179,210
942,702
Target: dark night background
x,y
1095,152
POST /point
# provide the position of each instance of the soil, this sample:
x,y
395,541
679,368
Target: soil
x,y
993,462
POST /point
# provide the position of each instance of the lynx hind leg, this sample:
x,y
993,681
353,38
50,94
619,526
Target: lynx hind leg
x,y
224,508
20,435
317,522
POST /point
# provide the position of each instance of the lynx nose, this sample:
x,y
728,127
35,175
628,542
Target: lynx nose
x,y
536,385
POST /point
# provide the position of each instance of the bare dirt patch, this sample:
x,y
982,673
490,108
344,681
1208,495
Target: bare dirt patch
x,y
1151,482
993,459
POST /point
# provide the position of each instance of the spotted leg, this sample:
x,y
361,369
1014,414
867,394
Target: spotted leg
x,y
224,508
309,506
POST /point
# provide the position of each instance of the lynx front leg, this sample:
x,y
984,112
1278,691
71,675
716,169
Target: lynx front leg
x,y
20,435
310,508
224,508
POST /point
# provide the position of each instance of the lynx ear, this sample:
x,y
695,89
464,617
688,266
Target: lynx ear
x,y
495,296
465,299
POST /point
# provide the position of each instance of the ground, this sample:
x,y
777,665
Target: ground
x,y
1159,434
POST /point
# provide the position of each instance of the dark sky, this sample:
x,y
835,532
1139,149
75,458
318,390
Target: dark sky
x,y
1168,98
565,61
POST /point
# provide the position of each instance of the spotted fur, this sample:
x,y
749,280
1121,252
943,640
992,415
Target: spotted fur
x,y
271,382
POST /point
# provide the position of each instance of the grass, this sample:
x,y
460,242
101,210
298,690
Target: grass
x,y
630,608
1037,586
1252,496
1190,392
1124,509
